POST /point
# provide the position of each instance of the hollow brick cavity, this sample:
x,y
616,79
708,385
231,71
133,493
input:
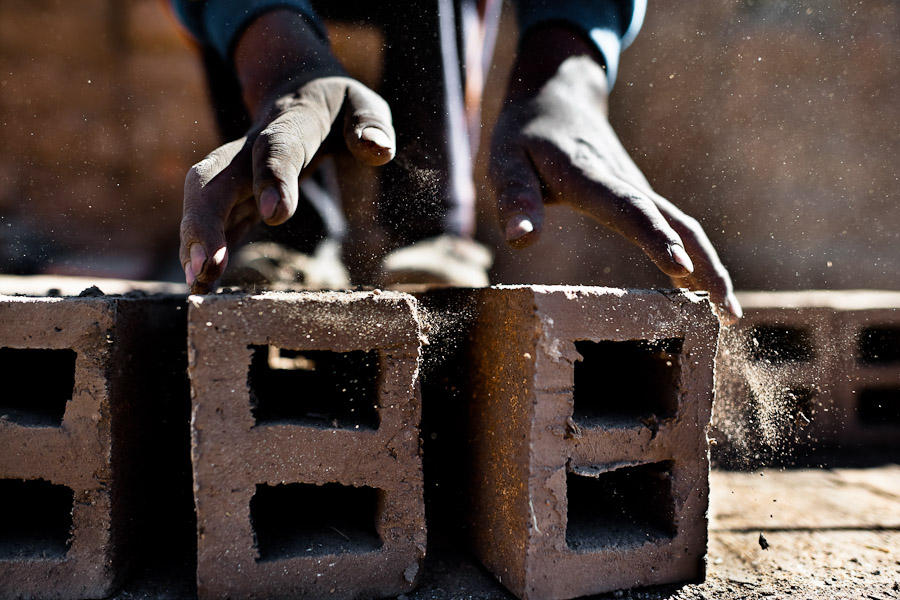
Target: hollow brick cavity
x,y
38,383
38,520
314,388
879,406
779,344
313,520
879,345
626,383
620,508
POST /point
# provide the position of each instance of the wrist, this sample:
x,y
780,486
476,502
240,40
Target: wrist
x,y
542,51
277,53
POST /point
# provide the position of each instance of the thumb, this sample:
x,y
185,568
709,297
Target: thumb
x,y
368,129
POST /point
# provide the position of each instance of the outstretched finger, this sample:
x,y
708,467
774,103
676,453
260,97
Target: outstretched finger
x,y
622,207
519,194
212,188
709,272
368,128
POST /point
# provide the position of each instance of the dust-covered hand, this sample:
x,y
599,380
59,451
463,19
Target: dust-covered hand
x,y
553,144
302,105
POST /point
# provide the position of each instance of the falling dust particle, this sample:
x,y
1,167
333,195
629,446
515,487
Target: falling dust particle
x,y
761,411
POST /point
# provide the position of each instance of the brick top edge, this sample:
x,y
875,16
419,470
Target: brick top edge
x,y
338,297
833,299
55,299
585,290
72,286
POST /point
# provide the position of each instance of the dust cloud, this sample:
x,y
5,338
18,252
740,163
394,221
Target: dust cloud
x,y
761,413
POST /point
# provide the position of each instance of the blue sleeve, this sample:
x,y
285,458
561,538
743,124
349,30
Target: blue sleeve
x,y
611,24
218,23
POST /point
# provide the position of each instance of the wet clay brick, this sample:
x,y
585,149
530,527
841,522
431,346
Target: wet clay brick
x,y
66,433
307,473
588,429
837,350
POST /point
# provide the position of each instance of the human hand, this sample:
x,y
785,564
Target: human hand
x,y
303,105
553,144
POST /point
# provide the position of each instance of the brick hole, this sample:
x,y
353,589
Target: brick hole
x,y
625,384
300,519
623,508
38,519
779,344
879,406
314,388
879,345
37,385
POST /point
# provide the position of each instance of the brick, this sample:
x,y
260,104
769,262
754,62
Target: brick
x,y
74,388
307,474
839,347
589,409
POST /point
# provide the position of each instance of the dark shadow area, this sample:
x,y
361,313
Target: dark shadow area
x,y
879,406
619,509
300,519
879,345
37,520
38,383
779,344
160,486
624,384
314,388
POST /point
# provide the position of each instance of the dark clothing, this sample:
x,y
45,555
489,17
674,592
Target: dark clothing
x,y
611,24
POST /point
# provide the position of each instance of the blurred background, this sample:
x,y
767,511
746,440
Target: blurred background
x,y
774,122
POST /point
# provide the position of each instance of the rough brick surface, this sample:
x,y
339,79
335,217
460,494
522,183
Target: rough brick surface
x,y
588,436
838,352
70,397
296,467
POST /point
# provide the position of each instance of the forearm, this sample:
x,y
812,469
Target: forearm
x,y
542,51
268,43
608,25
276,54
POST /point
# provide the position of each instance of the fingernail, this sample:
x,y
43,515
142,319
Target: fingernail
x,y
733,306
680,256
375,136
189,276
517,227
198,257
268,202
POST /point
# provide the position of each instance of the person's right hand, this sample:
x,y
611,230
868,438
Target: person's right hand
x,y
302,105
553,144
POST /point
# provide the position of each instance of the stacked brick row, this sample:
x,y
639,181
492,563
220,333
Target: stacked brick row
x,y
589,408
307,474
829,361
589,459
